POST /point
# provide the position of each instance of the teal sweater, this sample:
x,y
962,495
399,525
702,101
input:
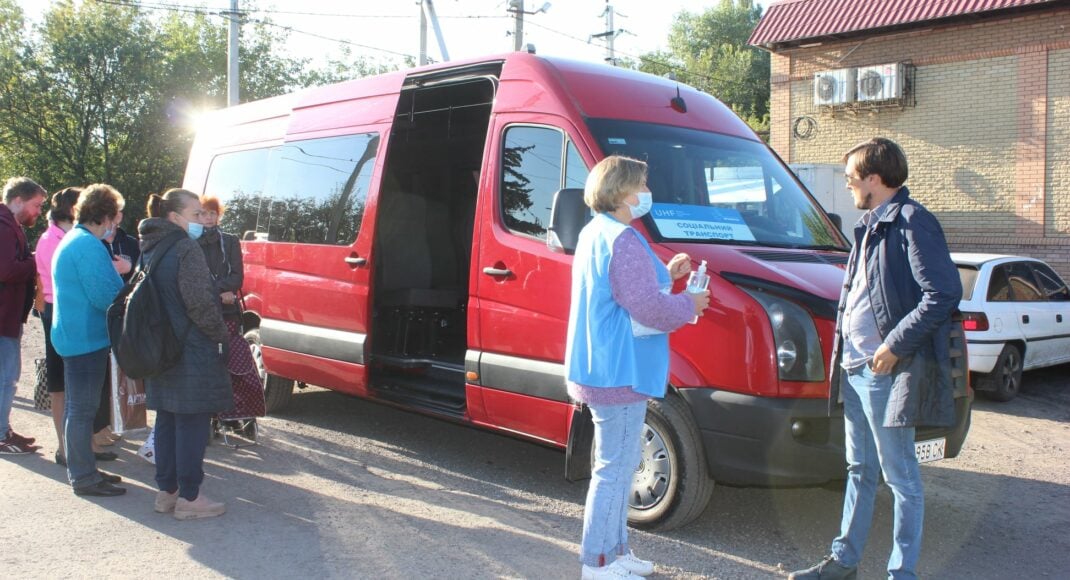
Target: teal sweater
x,y
84,283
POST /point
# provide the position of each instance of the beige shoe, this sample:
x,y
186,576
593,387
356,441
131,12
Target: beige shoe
x,y
202,507
165,502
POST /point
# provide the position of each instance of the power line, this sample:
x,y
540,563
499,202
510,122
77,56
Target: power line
x,y
320,36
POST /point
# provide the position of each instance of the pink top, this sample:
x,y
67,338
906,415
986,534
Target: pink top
x,y
46,248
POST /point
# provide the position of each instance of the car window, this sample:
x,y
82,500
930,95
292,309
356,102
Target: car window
x,y
968,277
531,174
1023,284
999,289
1050,284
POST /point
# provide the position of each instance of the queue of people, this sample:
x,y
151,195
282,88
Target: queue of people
x,y
616,360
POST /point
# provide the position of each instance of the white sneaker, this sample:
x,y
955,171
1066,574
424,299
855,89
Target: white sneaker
x,y
634,565
202,507
165,502
613,571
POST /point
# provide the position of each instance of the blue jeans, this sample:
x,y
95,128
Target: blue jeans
x,y
871,449
84,375
180,441
10,369
617,433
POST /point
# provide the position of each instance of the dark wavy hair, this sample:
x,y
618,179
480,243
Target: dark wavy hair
x,y
63,202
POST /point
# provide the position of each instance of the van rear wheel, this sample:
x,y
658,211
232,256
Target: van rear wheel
x,y
277,390
671,486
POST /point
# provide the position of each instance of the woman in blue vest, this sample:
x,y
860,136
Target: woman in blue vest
x,y
617,354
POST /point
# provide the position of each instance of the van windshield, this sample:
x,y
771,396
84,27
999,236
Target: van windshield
x,y
718,189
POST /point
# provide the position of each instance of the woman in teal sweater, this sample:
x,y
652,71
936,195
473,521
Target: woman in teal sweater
x,y
85,282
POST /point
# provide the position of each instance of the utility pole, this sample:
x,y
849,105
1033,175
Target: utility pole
x,y
610,34
427,12
232,55
517,8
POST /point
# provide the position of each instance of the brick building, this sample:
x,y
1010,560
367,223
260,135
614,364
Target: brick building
x,y
976,91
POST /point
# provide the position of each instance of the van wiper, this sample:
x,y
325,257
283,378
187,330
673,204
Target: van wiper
x,y
827,247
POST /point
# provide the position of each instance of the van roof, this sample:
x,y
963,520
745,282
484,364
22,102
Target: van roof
x,y
593,90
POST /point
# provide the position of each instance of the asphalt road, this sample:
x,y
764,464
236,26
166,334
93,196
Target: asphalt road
x,y
344,488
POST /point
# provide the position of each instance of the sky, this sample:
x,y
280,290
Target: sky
x,y
471,28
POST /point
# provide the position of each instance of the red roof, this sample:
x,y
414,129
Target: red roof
x,y
790,21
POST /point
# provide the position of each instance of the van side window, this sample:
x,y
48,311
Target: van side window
x,y
575,169
237,179
318,188
531,174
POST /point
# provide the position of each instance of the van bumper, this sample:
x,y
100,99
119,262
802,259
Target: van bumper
x,y
749,440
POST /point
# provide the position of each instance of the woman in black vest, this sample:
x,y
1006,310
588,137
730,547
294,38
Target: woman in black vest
x,y
186,395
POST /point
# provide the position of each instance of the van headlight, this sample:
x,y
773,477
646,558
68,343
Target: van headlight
x,y
798,350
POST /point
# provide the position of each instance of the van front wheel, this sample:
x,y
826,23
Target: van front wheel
x,y
277,390
672,485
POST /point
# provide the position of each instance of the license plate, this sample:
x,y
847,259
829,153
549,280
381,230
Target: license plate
x,y
931,450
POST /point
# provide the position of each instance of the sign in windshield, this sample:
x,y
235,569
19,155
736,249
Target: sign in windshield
x,y
715,188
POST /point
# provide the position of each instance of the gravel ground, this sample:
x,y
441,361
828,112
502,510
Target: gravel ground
x,y
344,488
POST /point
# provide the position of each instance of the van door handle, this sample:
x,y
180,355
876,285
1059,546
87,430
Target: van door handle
x,y
356,260
1058,318
1025,319
497,271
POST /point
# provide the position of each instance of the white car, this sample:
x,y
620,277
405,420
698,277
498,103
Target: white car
x,y
1016,313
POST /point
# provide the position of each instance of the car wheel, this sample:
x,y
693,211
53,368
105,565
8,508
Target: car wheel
x,y
1005,380
277,390
671,486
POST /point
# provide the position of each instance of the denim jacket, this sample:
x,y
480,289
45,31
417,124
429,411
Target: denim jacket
x,y
914,289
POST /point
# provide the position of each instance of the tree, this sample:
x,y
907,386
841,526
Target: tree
x,y
709,51
105,93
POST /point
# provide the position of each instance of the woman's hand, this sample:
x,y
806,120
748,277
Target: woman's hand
x,y
228,297
701,301
679,266
122,265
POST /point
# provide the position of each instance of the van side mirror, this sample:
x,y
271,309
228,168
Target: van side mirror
x,y
568,215
836,220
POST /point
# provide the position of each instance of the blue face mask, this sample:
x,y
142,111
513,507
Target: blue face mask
x,y
107,233
646,201
195,230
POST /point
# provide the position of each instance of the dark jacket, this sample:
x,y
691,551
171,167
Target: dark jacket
x,y
17,274
199,383
914,289
127,245
223,253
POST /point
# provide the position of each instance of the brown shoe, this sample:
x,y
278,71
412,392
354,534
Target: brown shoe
x,y
202,507
165,502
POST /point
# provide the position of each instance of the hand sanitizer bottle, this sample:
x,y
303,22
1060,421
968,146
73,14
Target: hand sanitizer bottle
x,y
698,283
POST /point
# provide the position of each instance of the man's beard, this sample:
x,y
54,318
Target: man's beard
x,y
26,221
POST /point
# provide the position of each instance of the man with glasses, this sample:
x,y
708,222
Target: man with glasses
x,y
891,360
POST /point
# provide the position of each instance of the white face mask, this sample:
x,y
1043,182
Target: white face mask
x,y
646,201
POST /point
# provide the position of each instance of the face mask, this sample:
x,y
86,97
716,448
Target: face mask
x,y
195,230
646,201
108,232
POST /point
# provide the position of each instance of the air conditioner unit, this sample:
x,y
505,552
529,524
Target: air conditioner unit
x,y
834,87
883,82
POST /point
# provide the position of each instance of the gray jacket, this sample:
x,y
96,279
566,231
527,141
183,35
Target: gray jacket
x,y
199,383
914,289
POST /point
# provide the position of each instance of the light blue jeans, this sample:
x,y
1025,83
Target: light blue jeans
x,y
871,449
84,376
617,433
10,369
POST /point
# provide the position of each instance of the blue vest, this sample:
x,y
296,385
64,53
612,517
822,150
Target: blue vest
x,y
605,348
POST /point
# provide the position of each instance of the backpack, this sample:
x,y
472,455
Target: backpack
x,y
142,337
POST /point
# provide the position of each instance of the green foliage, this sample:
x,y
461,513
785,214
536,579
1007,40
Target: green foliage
x,y
709,51
102,93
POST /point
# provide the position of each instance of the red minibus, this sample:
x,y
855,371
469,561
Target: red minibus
x,y
395,235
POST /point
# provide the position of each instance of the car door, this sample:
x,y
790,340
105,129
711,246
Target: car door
x,y
1030,313
1056,309
522,287
315,315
